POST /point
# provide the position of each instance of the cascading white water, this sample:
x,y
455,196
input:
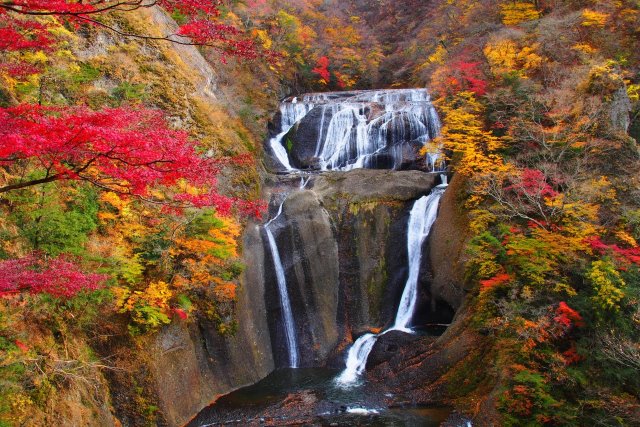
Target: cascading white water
x,y
289,325
357,359
421,218
355,128
290,113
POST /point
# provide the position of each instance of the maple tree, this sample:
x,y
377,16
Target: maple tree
x,y
125,150
201,29
322,69
36,274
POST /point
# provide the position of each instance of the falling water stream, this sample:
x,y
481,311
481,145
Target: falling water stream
x,y
422,216
350,130
356,128
287,314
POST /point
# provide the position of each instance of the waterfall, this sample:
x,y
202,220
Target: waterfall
x,y
357,359
421,218
363,128
289,325
290,113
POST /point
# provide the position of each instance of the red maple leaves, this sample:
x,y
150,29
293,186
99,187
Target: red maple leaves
x,y
126,150
36,274
495,281
567,316
322,69
626,256
19,32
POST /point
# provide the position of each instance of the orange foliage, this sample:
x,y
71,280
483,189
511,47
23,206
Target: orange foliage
x,y
495,281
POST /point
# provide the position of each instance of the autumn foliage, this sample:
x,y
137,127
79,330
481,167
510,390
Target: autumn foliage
x,y
102,183
36,274
19,33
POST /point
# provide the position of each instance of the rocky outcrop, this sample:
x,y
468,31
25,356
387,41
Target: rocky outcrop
x,y
309,255
370,211
619,110
192,364
447,246
342,243
417,371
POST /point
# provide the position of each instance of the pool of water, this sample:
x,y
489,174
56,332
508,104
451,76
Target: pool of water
x,y
309,396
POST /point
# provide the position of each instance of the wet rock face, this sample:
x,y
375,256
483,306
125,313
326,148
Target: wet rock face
x,y
342,243
390,345
447,247
416,371
309,255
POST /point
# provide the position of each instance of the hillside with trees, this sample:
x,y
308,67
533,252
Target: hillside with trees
x,y
130,166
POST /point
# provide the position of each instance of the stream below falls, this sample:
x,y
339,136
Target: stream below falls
x,y
345,268
309,396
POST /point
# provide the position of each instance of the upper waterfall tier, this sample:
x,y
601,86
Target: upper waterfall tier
x,y
377,129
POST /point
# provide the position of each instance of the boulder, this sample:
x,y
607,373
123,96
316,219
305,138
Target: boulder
x,y
389,345
447,241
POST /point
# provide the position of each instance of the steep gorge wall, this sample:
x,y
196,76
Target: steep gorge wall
x,y
164,378
344,246
342,242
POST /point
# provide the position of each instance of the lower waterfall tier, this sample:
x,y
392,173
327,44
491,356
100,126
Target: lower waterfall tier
x,y
342,243
342,247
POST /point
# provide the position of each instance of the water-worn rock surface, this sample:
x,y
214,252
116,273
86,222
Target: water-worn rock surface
x,y
447,246
342,245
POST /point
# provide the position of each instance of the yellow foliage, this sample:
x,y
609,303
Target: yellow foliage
x,y
607,283
528,58
625,237
438,56
149,307
504,56
480,220
584,48
516,12
264,38
603,190
578,221
38,57
476,151
501,55
21,405
592,18
633,90
120,295
203,257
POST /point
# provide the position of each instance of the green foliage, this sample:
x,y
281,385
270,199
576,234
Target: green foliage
x,y
86,74
486,255
179,17
529,402
127,91
233,271
53,221
632,220
130,269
